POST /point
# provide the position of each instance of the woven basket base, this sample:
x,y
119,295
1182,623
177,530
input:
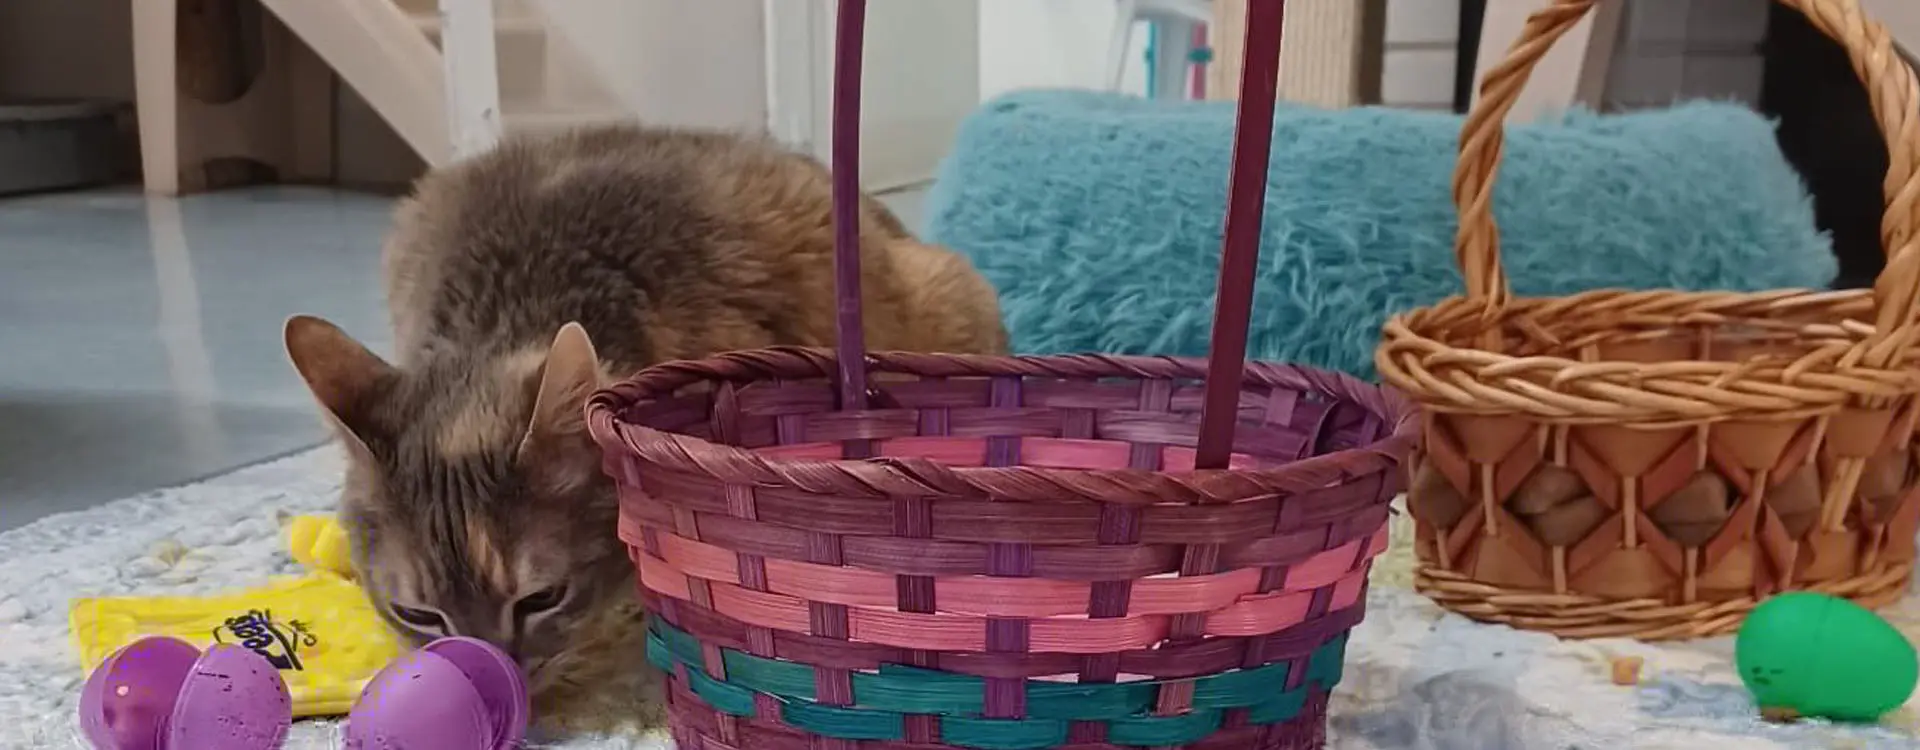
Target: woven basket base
x,y
1581,616
698,726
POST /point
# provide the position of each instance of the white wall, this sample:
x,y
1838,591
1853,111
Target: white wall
x,y
1422,36
920,79
1668,50
1688,49
1051,44
673,62
1901,17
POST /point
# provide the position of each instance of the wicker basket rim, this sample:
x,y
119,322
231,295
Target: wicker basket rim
x,y
1827,376
1841,320
1833,313
883,476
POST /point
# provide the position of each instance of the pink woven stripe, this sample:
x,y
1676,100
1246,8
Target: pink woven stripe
x,y
1332,565
1255,615
990,596
1044,452
1346,592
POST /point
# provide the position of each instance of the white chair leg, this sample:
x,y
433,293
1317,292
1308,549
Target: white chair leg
x,y
1172,63
1124,13
1197,11
472,74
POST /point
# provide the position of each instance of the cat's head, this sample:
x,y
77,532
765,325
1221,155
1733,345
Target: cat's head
x,y
473,498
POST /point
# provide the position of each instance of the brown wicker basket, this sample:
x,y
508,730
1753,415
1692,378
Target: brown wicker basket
x,y
1005,552
1654,463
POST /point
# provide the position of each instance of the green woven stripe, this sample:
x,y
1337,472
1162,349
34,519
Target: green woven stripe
x,y
1155,731
884,698
731,699
1003,734
771,676
844,723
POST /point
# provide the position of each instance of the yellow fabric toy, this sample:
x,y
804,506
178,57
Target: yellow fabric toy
x,y
319,628
320,543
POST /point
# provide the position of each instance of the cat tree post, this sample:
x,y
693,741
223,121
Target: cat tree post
x,y
208,116
1329,54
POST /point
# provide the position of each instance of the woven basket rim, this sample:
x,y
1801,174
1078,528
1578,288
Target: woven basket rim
x,y
1442,373
883,477
1837,315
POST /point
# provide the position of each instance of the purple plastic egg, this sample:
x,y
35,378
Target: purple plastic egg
x,y
233,699
128,699
421,701
494,675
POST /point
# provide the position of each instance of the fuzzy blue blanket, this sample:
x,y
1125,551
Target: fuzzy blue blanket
x,y
1099,216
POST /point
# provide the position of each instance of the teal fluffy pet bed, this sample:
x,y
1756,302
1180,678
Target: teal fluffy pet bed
x,y
1098,217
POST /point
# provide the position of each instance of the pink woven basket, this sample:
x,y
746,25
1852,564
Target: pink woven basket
x,y
1005,552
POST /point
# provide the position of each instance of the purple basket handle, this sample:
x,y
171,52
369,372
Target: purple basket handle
x,y
849,38
1240,247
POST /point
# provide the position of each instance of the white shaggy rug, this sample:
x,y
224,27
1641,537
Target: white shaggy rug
x,y
1416,678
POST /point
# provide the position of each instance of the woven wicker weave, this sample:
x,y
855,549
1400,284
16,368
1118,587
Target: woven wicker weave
x,y
1653,463
1005,552
1029,518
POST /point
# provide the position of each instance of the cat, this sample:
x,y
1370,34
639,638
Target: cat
x,y
522,280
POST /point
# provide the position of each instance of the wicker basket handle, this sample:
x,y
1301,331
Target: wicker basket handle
x,y
1890,87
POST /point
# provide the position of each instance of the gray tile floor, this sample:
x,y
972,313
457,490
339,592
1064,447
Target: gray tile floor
x,y
140,338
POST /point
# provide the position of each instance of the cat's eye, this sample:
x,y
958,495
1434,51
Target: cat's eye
x,y
419,618
541,601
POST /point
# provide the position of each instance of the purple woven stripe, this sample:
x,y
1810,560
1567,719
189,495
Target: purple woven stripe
x,y
1118,525
833,687
662,454
1111,405
1176,698
1281,403
742,505
1003,398
1007,698
1081,381
914,520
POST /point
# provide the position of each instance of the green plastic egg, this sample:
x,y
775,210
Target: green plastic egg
x,y
1822,656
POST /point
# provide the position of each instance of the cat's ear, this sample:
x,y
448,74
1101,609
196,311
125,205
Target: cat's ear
x,y
557,430
344,376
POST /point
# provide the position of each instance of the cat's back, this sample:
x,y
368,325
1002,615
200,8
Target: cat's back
x,y
591,226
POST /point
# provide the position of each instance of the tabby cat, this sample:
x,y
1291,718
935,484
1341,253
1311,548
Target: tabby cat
x,y
522,280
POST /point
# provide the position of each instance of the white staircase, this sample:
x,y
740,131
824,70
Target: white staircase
x,y
540,82
413,61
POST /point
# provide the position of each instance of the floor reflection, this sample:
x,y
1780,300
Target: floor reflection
x,y
140,339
